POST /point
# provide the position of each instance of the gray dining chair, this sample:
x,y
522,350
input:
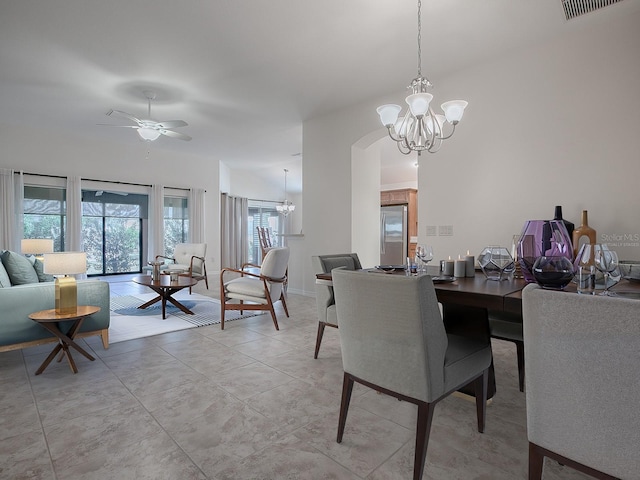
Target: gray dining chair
x,y
393,340
582,384
508,326
324,292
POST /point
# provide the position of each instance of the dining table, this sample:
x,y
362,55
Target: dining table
x,y
466,302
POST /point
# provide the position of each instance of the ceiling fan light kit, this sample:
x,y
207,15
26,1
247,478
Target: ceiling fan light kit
x,y
150,130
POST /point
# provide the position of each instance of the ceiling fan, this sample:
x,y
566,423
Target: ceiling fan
x,y
148,129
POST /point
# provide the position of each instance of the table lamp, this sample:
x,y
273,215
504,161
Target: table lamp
x,y
65,263
36,246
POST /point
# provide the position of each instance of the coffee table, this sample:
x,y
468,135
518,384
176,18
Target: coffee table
x,y
165,288
50,320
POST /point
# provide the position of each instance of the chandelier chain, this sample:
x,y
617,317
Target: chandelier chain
x,y
419,38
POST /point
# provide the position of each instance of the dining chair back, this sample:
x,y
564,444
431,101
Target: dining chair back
x,y
393,340
325,301
582,380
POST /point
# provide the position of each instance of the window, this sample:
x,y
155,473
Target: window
x,y
112,231
176,222
261,214
45,214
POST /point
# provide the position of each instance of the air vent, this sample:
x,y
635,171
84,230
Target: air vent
x,y
576,8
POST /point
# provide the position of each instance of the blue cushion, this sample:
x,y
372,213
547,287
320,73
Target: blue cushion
x,y
19,268
4,277
38,266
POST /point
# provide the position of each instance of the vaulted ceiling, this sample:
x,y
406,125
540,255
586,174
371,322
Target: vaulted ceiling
x,y
244,74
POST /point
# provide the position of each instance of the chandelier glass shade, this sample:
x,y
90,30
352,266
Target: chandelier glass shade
x,y
421,129
287,207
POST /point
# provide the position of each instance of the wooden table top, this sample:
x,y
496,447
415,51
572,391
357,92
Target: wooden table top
x,y
165,281
51,315
505,295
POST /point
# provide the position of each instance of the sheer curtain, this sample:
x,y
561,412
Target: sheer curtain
x,y
196,215
234,230
156,222
11,194
73,234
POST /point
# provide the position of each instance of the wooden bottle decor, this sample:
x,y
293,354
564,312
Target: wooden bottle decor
x,y
583,234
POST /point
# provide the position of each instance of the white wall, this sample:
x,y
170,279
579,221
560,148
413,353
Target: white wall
x,y
554,125
45,152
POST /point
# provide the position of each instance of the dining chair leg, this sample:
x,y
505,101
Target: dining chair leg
x,y
321,326
480,387
423,428
347,388
536,462
222,309
520,354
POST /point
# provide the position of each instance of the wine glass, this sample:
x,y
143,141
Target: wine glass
x,y
606,261
425,254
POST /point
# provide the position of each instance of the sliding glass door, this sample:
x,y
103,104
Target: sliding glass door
x,y
112,231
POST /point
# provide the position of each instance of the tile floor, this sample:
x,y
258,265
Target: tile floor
x,y
245,403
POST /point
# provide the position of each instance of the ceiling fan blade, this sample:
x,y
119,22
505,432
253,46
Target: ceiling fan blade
x,y
172,124
172,134
125,115
119,126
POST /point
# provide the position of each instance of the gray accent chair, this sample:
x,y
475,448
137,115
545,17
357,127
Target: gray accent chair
x,y
583,378
324,292
508,326
261,289
393,340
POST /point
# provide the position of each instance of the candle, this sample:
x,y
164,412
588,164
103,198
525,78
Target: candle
x,y
448,267
459,268
470,261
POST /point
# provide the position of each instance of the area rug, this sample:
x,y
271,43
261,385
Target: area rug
x,y
129,322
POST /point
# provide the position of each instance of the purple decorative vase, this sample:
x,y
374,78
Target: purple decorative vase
x,y
548,238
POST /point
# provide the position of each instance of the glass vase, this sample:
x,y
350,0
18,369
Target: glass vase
x,y
553,272
548,238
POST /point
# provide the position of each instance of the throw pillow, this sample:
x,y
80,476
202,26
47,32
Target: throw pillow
x,y
19,268
38,266
4,277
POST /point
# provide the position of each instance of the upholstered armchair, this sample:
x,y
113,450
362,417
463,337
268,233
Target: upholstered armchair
x,y
261,289
393,340
583,374
324,292
190,259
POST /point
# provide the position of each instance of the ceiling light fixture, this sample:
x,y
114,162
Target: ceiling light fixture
x,y
148,134
287,207
421,129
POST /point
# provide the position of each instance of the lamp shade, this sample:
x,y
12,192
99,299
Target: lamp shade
x,y
419,103
149,134
36,246
454,110
65,263
388,114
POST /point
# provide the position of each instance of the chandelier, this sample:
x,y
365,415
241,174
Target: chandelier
x,y
287,207
421,129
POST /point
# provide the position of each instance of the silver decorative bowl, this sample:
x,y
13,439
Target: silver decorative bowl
x,y
630,270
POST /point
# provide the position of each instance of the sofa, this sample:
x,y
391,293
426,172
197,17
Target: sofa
x,y
19,299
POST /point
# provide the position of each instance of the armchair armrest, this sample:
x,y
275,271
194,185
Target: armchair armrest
x,y
166,258
191,263
252,265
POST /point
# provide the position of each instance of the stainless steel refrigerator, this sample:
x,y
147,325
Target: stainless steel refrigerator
x,y
393,235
